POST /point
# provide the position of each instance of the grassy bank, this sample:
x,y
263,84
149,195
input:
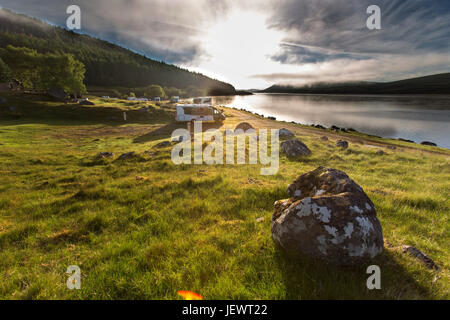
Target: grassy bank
x,y
143,228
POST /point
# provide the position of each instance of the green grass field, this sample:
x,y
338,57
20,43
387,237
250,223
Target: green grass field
x,y
143,228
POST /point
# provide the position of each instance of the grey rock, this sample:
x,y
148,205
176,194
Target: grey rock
x,y
422,257
163,144
244,126
329,217
127,155
324,138
295,148
285,133
342,144
428,143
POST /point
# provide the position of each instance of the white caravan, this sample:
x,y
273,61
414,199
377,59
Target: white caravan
x,y
200,110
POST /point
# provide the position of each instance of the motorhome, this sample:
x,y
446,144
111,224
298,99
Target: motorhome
x,y
200,110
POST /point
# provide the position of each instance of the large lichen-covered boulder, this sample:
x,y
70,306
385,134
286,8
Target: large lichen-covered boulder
x,y
328,217
295,148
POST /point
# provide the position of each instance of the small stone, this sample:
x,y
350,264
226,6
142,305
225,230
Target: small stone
x,y
127,155
381,153
428,143
324,138
163,144
416,253
342,144
261,219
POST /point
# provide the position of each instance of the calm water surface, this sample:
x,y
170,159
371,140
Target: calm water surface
x,y
413,117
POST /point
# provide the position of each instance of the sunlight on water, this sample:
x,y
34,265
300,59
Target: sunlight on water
x,y
418,118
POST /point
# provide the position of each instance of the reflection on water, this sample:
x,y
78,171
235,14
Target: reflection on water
x,y
414,117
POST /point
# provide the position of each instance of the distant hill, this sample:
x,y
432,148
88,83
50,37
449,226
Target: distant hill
x,y
106,64
434,84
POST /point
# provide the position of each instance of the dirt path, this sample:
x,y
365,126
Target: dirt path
x,y
237,116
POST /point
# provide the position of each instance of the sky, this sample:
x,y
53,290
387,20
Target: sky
x,y
253,44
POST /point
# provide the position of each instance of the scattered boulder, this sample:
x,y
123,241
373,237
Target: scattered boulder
x,y
285,133
12,109
244,126
428,143
105,155
324,138
318,126
342,144
351,130
328,217
163,144
127,155
3,100
391,147
405,140
272,118
335,128
295,148
381,153
416,253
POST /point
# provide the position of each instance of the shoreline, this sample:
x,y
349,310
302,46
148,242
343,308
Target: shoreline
x,y
354,136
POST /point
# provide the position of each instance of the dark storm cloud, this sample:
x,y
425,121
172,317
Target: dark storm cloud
x,y
407,26
164,30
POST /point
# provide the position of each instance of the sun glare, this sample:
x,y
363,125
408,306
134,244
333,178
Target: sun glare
x,y
240,45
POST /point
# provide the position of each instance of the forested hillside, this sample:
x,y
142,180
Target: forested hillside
x,y
434,84
107,65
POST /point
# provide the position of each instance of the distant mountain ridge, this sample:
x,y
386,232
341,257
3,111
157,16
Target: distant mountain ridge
x,y
106,64
433,84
